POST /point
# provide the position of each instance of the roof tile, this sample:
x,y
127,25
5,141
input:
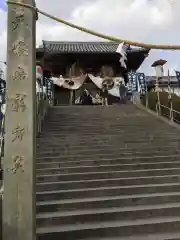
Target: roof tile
x,y
83,47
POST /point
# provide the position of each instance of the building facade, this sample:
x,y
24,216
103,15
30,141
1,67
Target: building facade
x,y
71,59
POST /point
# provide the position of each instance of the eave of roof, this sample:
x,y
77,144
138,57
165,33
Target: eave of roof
x,y
86,47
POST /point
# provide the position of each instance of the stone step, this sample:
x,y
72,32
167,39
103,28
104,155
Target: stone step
x,y
107,214
112,155
121,118
107,174
105,143
74,138
123,160
107,120
99,111
104,122
110,138
107,182
146,161
96,116
110,229
162,236
106,191
97,167
98,128
81,116
108,149
99,115
107,201
102,143
79,108
105,131
117,120
102,146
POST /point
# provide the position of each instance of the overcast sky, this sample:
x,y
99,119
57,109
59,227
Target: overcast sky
x,y
150,21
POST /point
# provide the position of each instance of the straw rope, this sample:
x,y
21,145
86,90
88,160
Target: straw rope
x,y
88,31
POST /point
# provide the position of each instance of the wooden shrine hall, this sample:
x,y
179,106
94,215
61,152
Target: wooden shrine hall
x,y
69,59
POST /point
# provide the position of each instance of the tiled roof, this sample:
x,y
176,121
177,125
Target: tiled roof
x,y
85,47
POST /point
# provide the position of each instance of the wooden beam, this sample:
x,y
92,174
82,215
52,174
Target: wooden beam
x,y
20,144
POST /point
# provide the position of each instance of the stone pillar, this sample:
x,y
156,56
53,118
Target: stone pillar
x,y
19,159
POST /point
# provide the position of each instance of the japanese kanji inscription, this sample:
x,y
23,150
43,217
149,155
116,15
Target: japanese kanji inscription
x,y
20,124
18,17
18,102
18,133
18,164
20,48
20,74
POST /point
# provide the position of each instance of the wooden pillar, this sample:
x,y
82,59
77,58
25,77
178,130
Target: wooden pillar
x,y
20,144
71,97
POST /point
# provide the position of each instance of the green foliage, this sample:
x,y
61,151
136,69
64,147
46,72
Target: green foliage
x,y
152,98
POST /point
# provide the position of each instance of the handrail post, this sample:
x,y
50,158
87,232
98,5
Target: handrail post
x,y
170,98
171,110
19,220
147,98
158,105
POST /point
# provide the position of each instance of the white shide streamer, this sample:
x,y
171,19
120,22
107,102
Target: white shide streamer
x,y
121,49
63,82
114,91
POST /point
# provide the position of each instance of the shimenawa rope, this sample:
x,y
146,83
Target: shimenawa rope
x,y
88,31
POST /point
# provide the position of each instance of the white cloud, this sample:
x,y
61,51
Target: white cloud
x,y
155,21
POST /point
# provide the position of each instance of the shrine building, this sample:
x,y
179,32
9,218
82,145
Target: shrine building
x,y
71,59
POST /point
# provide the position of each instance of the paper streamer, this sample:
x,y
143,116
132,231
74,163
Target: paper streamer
x,y
73,83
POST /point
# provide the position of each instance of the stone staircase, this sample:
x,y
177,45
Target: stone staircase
x,y
107,173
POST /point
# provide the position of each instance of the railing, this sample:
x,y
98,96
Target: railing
x,y
169,113
41,110
43,100
161,105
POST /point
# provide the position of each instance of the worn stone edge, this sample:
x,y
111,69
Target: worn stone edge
x,y
164,119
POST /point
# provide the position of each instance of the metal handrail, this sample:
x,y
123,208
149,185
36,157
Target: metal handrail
x,y
171,113
43,100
